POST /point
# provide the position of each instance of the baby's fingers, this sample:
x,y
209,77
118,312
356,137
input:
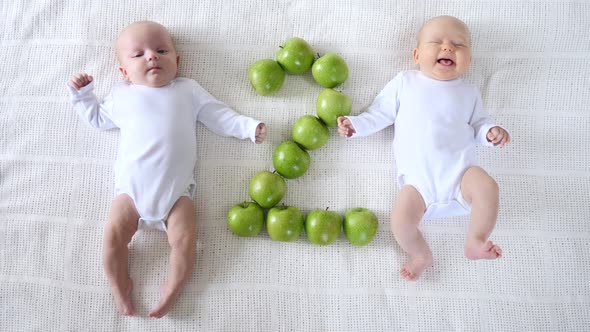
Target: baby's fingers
x,y
498,138
491,136
346,131
86,79
345,127
260,133
505,141
261,129
79,81
75,83
343,132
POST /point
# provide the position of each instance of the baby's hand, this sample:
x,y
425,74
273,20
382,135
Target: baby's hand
x,y
345,127
260,133
498,136
78,81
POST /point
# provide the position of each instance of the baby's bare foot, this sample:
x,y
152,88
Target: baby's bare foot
x,y
486,250
412,270
167,296
123,299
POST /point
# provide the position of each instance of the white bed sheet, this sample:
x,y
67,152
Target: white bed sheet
x,y
56,179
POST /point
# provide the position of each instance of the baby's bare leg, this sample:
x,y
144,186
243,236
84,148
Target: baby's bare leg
x,y
118,232
182,236
407,213
481,191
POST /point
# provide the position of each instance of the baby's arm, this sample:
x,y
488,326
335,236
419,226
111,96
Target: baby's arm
x,y
223,121
95,114
486,132
378,116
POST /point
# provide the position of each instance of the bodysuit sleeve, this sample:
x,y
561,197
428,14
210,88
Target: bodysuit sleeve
x,y
94,114
221,119
382,111
481,122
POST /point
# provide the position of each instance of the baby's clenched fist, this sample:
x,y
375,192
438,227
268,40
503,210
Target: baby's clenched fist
x,y
78,81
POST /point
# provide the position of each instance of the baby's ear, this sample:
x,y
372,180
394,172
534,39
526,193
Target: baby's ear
x,y
416,53
177,59
123,71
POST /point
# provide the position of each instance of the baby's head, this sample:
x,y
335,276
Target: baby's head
x,y
444,48
146,54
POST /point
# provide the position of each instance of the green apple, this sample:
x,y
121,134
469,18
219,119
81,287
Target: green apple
x,y
284,223
295,56
310,132
360,226
267,189
290,160
245,219
331,104
323,226
266,76
329,70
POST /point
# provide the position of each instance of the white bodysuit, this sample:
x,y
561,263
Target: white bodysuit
x,y
157,151
436,127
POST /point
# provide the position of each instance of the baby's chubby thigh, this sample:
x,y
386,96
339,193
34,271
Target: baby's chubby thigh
x,y
476,183
182,219
122,222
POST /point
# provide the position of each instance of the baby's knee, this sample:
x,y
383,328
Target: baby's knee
x,y
405,216
403,224
489,187
491,183
117,234
184,241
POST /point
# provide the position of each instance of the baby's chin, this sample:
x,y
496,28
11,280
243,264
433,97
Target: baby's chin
x,y
446,74
154,82
448,77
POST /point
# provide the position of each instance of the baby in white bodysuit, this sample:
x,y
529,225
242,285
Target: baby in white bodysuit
x,y
157,114
438,119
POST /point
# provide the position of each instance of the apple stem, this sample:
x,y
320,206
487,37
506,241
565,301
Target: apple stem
x,y
327,208
319,55
281,46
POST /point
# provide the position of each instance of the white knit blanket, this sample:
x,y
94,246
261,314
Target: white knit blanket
x,y
531,62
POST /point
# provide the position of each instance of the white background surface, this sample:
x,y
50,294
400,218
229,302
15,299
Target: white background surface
x,y
56,179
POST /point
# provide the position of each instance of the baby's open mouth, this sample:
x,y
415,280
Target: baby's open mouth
x,y
445,62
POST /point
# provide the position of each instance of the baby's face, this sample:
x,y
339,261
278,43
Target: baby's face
x,y
147,55
444,49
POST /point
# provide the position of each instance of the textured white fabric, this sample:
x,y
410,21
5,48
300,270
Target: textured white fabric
x,y
530,63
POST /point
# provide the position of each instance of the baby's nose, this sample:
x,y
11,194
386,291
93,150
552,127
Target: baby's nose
x,y
153,56
448,47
